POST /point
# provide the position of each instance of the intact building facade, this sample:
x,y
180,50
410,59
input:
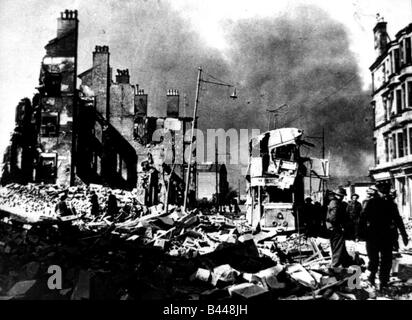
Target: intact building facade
x,y
392,110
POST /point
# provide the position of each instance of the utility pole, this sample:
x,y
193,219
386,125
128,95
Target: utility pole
x,y
217,179
323,157
73,159
323,143
232,96
199,77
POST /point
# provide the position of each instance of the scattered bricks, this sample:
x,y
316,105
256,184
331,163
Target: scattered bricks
x,y
273,271
167,221
21,288
405,272
325,280
245,237
190,221
224,273
189,243
160,243
261,236
82,289
229,238
133,238
334,296
148,234
282,238
301,275
217,219
405,268
249,277
246,290
203,275
269,277
268,245
317,276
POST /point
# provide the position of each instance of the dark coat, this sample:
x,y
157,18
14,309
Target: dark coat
x,y
335,218
112,208
354,210
381,215
353,214
95,205
62,209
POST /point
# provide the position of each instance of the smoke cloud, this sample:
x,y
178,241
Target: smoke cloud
x,y
159,47
303,59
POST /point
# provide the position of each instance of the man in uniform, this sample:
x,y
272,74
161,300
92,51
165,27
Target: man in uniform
x,y
335,220
353,211
380,214
371,193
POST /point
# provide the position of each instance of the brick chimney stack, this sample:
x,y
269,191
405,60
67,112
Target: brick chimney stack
x,y
66,22
123,76
381,37
172,104
101,79
140,103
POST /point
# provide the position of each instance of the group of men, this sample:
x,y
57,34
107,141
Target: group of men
x,y
111,211
376,221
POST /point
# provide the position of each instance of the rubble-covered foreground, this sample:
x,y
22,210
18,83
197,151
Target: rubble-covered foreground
x,y
149,254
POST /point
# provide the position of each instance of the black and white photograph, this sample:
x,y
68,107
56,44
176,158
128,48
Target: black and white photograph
x,y
206,156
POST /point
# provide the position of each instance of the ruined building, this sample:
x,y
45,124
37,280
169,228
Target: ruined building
x,y
43,142
92,129
119,143
392,109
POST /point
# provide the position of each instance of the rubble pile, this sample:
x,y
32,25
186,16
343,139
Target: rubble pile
x,y
37,201
151,253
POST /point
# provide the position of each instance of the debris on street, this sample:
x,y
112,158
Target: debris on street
x,y
148,253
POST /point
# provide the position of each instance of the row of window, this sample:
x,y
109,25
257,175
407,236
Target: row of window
x,y
398,144
402,98
395,60
399,57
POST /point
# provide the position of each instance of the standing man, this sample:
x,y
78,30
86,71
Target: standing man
x,y
370,194
94,202
353,212
309,217
380,213
111,207
61,207
335,220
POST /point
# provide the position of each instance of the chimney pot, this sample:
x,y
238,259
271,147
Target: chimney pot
x,y
381,37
